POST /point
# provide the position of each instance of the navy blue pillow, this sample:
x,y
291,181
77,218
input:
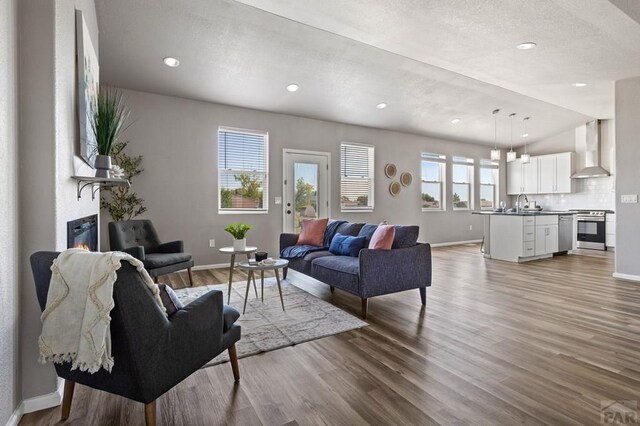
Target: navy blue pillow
x,y
345,245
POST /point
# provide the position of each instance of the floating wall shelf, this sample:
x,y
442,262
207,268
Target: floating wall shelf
x,y
96,183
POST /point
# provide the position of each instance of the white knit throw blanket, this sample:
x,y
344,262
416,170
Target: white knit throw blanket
x,y
75,323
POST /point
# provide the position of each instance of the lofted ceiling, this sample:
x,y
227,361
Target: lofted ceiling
x,y
430,61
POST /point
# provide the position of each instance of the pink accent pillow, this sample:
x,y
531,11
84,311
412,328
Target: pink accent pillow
x,y
313,232
382,238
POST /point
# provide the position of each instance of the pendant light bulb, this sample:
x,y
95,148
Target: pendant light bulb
x,y
511,155
495,152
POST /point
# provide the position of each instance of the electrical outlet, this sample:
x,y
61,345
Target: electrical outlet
x,y
629,199
470,227
212,243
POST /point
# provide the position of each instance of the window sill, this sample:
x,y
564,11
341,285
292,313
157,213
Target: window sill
x,y
462,210
356,211
243,211
433,210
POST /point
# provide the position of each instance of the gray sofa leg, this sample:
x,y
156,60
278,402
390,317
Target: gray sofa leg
x,y
284,272
423,295
364,308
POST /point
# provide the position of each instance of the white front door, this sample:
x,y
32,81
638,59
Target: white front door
x,y
306,187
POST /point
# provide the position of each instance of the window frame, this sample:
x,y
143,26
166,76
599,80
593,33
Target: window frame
x,y
494,166
221,172
441,161
371,196
469,163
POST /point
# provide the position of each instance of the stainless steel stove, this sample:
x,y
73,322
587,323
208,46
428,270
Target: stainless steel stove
x,y
591,229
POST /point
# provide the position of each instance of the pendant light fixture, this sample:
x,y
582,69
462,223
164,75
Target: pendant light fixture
x,y
511,155
526,158
495,152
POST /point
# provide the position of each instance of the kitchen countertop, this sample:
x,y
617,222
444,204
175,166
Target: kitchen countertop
x,y
525,213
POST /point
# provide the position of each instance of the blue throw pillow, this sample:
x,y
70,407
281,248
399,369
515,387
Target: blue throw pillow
x,y
345,245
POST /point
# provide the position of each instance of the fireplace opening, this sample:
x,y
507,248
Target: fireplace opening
x,y
83,233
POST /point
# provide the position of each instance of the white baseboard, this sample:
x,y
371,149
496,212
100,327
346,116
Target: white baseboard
x,y
626,277
37,403
456,243
212,266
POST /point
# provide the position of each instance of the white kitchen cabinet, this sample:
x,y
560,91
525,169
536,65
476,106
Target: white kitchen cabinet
x,y
554,173
546,241
530,176
514,177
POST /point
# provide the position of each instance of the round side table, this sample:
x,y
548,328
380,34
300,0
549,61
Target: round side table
x,y
230,250
252,268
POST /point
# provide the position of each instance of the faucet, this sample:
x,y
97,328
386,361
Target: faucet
x,y
526,200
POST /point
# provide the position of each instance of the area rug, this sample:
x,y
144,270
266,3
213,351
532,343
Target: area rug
x,y
265,327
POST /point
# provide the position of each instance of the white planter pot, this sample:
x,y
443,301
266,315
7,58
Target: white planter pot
x,y
240,245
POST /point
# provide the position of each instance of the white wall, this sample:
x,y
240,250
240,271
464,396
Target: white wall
x,y
178,138
9,245
627,176
48,140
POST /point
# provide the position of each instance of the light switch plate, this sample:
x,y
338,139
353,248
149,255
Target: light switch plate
x,y
278,200
212,243
629,199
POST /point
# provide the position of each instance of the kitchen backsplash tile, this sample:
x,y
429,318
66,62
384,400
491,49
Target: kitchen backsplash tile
x,y
593,193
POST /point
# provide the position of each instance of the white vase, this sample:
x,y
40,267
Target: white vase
x,y
240,245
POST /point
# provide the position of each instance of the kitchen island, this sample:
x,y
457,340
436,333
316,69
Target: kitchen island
x,y
524,236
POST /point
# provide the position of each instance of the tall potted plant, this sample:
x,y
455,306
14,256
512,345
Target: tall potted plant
x,y
108,121
239,232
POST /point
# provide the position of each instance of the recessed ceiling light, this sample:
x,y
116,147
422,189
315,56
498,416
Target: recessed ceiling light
x,y
171,62
526,45
293,87
381,105
525,135
455,121
580,84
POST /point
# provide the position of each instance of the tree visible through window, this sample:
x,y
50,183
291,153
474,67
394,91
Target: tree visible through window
x,y
462,184
488,184
242,170
433,181
356,177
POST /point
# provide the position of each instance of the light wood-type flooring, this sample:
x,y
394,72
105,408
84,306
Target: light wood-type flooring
x,y
498,343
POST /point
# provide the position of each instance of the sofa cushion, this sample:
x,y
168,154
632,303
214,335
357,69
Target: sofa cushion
x,y
346,245
348,228
312,232
157,260
367,231
316,255
406,236
382,239
338,271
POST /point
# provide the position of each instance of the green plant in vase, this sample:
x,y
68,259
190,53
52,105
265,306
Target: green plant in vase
x,y
108,120
239,232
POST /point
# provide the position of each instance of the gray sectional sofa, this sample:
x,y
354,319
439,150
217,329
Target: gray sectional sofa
x,y
374,272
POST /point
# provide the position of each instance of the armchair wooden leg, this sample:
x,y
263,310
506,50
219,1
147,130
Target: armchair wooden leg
x,y
233,357
69,386
332,289
190,277
155,279
150,414
364,308
423,295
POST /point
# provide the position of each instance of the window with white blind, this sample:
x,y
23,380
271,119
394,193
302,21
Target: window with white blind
x,y
433,173
356,177
242,171
462,183
489,173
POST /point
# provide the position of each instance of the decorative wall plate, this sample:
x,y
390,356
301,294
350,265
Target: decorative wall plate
x,y
406,179
390,170
395,188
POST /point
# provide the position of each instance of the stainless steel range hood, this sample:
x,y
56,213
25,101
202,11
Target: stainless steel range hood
x,y
592,154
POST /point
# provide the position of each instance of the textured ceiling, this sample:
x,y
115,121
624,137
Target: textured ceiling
x,y
431,61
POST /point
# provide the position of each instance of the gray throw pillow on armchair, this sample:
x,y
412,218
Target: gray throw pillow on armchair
x,y
169,299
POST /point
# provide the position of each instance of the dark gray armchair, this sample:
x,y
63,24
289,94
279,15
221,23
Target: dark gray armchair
x,y
152,353
140,239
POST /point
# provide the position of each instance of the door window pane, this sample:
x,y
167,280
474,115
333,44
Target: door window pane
x,y
305,193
